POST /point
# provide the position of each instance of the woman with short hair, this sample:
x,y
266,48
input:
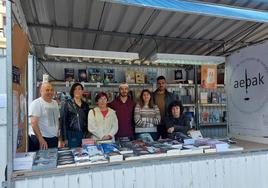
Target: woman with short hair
x,y
73,117
176,121
102,120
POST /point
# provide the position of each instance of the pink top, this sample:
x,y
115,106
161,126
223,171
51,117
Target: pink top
x,y
104,112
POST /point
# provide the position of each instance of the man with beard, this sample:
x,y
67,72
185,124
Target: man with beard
x,y
124,108
162,98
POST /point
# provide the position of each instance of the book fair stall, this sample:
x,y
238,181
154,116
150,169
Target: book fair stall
x,y
220,78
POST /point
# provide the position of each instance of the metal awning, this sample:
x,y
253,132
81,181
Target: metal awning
x,y
201,8
125,27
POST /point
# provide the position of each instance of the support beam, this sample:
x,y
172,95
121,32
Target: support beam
x,y
120,34
9,93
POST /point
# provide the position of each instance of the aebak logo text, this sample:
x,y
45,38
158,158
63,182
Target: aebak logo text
x,y
248,82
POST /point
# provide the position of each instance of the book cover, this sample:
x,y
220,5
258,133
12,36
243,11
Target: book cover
x,y
81,154
215,116
24,161
179,75
130,77
115,156
95,75
95,152
111,151
145,137
69,74
214,97
205,117
151,77
195,134
223,98
204,97
109,147
44,165
88,141
109,75
44,155
209,76
82,75
140,77
65,158
45,159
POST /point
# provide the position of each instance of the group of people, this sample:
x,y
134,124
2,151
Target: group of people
x,y
158,114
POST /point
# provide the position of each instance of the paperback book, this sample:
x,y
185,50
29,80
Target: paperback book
x,y
65,158
204,97
151,77
95,75
45,159
214,97
140,77
130,77
111,152
82,75
109,75
69,74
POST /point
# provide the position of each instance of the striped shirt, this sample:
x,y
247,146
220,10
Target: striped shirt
x,y
146,118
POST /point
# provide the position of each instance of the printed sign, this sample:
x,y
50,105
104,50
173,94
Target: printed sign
x,y
247,91
209,76
249,85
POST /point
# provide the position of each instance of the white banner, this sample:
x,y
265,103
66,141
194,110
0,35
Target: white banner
x,y
247,89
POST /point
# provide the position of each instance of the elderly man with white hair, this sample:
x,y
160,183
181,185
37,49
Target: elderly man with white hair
x,y
44,120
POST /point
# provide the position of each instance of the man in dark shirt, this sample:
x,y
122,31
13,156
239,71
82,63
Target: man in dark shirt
x,y
124,108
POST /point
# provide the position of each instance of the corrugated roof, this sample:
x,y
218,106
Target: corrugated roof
x,y
99,25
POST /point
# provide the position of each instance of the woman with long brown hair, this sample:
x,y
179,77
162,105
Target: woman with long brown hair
x,y
146,115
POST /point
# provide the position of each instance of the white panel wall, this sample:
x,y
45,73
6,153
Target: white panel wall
x,y
235,171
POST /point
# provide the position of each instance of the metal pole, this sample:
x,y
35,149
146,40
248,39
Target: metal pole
x,y
9,93
196,97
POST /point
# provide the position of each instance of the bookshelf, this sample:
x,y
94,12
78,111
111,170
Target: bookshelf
x,y
212,107
212,124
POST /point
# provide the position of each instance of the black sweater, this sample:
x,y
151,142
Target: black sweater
x,y
181,124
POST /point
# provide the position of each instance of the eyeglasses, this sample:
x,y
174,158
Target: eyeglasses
x,y
102,100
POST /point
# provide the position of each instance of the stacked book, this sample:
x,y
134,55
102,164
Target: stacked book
x,y
24,161
45,159
111,152
95,154
65,158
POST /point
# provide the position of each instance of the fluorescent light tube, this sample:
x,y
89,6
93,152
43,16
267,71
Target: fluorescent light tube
x,y
82,53
186,59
